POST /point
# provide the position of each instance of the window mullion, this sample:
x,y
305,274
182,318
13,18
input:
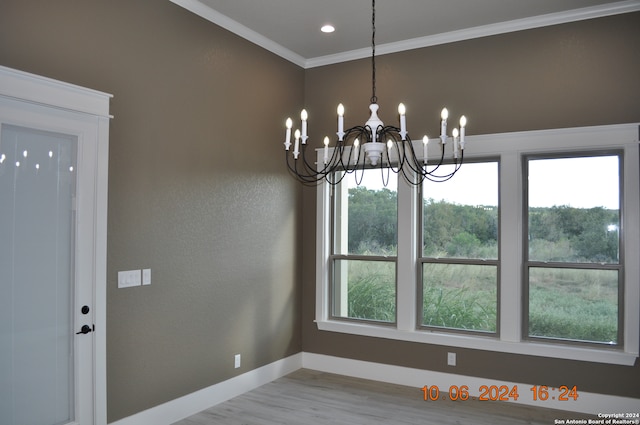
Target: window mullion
x,y
407,254
511,230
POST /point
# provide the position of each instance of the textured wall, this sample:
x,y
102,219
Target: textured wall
x,y
197,187
579,74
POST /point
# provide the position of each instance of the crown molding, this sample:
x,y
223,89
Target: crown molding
x,y
237,28
481,31
197,7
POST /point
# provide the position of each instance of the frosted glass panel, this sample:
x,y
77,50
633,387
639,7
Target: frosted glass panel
x,y
37,190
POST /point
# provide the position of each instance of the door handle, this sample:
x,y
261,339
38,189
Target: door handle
x,y
85,330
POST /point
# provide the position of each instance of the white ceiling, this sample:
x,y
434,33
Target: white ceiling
x,y
291,28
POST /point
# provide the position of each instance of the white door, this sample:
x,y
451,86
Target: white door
x,y
51,300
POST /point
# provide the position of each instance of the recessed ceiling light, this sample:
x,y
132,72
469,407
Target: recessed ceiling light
x,y
327,29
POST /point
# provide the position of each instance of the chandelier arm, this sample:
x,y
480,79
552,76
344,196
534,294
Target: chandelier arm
x,y
341,158
400,148
445,177
309,166
328,168
336,158
334,181
355,173
354,133
416,176
311,175
413,161
440,162
385,182
305,179
440,179
413,177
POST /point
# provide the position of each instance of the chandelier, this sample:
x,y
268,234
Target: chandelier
x,y
374,145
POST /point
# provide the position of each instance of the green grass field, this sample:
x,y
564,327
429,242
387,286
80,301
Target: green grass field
x,y
563,303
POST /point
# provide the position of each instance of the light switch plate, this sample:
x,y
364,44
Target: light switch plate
x,y
146,276
129,278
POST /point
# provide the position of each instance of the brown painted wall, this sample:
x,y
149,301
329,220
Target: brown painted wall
x,y
197,187
195,108
579,74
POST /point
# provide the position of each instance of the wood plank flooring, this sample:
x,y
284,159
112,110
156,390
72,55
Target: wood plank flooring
x,y
309,397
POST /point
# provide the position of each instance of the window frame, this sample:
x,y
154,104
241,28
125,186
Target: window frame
x,y
334,257
422,259
528,263
509,148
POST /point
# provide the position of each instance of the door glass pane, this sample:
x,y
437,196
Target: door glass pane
x,y
37,189
575,304
365,290
574,209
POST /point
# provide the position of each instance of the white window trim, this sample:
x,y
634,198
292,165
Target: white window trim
x,y
509,148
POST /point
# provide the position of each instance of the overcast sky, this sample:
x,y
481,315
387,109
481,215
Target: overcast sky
x,y
576,182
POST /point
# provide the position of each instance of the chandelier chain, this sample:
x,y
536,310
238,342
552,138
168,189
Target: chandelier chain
x,y
374,98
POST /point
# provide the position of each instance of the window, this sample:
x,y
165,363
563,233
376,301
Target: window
x,y
459,261
573,272
545,271
364,249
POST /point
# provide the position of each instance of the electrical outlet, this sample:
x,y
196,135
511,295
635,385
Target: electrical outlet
x,y
451,359
237,361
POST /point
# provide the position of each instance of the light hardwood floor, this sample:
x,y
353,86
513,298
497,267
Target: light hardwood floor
x,y
308,397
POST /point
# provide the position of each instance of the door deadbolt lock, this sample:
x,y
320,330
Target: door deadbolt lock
x,y
85,309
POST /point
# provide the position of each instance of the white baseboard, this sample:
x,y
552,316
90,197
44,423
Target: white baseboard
x,y
190,404
588,403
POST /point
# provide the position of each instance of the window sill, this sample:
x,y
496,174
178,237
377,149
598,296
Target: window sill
x,y
483,343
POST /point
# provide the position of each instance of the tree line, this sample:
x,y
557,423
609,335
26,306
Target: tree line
x,y
558,233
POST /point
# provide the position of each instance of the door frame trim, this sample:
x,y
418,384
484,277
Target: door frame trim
x,y
55,94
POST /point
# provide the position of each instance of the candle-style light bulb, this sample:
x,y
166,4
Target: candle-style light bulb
x,y
340,121
356,149
455,134
304,116
463,124
443,127
425,143
287,140
403,121
296,147
326,149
